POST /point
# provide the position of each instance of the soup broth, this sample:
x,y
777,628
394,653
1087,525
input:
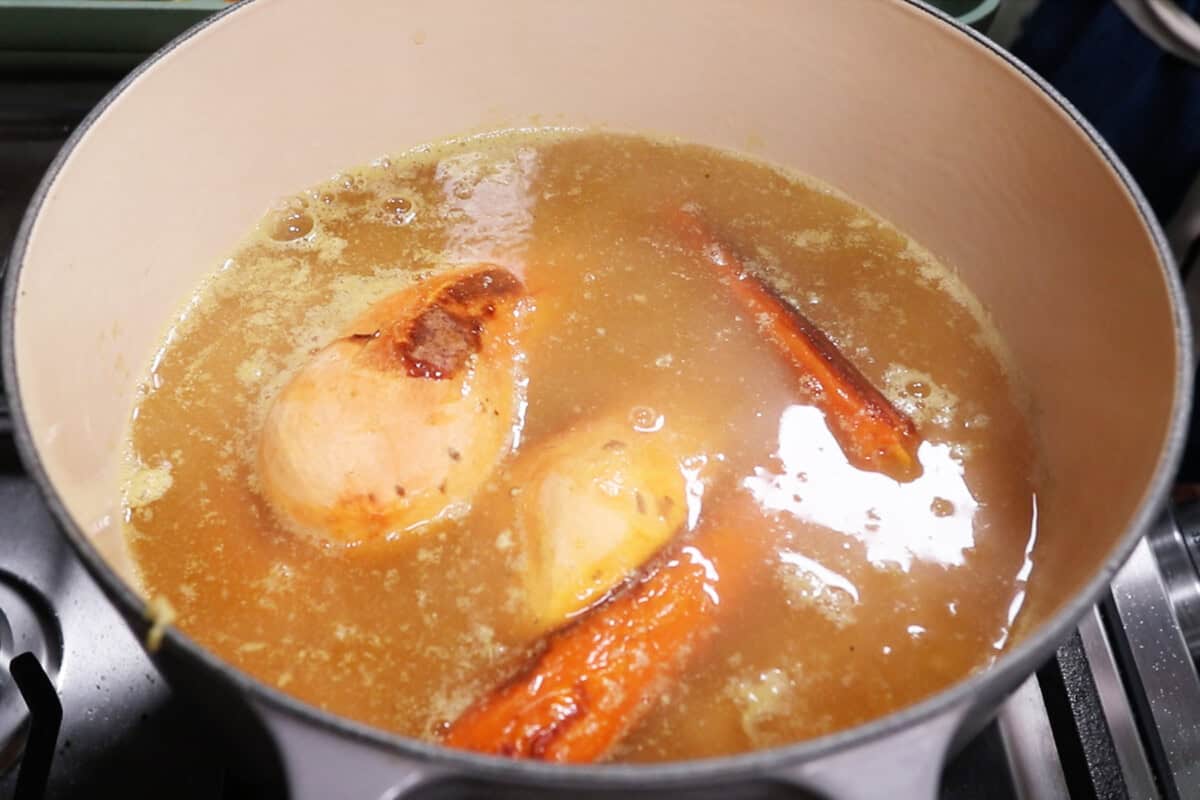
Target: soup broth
x,y
861,593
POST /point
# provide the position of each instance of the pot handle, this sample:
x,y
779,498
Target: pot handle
x,y
319,764
907,766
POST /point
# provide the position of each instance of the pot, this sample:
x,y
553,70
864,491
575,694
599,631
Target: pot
x,y
912,115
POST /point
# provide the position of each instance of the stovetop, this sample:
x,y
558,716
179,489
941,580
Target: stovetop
x,y
120,730
1115,715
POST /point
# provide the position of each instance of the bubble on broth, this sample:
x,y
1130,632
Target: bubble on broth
x,y
398,211
918,395
289,225
645,419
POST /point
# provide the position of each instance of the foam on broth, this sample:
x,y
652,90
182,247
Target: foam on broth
x,y
869,594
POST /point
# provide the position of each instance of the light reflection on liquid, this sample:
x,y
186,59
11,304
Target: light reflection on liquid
x,y
827,579
489,207
1022,581
929,519
693,469
711,577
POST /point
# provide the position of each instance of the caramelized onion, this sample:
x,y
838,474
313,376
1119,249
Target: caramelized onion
x,y
398,422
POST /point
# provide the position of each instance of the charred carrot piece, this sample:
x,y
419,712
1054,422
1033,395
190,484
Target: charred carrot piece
x,y
872,433
596,678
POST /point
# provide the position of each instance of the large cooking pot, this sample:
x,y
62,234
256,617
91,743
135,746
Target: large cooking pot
x,y
917,118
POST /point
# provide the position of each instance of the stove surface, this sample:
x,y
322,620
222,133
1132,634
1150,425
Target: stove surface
x,y
120,731
1088,725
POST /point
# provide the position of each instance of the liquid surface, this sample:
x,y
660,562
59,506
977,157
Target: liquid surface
x,y
862,594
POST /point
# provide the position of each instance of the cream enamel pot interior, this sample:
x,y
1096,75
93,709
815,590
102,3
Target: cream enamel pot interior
x,y
911,115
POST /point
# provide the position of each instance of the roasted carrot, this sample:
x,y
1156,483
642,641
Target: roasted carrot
x,y
872,433
596,677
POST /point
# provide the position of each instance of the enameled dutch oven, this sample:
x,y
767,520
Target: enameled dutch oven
x,y
910,114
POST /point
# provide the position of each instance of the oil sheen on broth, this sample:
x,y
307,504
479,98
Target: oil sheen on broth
x,y
866,594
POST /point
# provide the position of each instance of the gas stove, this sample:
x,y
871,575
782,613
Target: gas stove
x,y
1115,714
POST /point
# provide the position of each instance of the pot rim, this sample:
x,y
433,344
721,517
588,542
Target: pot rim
x,y
976,690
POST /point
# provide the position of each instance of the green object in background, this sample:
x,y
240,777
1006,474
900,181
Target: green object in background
x,y
975,13
93,34
115,35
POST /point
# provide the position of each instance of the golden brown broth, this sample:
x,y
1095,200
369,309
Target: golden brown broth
x,y
868,595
